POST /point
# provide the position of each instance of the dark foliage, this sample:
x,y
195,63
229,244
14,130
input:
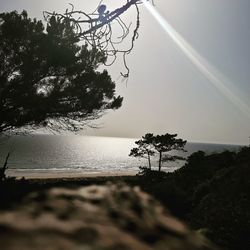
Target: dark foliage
x,y
210,192
47,78
222,203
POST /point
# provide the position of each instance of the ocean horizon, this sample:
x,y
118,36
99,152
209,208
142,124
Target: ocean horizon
x,y
38,155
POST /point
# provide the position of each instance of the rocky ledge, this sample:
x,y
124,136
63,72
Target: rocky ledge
x,y
95,217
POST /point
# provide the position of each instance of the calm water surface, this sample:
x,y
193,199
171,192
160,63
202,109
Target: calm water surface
x,y
43,154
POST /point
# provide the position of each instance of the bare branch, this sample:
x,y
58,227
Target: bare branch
x,y
96,28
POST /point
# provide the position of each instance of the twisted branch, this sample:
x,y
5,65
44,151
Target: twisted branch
x,y
96,29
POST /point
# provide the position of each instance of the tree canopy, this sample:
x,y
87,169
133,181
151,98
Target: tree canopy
x,y
47,78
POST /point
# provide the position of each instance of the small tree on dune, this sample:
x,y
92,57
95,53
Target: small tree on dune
x,y
161,144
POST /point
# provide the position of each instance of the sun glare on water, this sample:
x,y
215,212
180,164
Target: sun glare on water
x,y
218,80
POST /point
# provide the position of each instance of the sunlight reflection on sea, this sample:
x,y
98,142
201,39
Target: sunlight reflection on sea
x,y
46,154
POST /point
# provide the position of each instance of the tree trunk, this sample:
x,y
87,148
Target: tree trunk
x,y
3,169
160,161
149,162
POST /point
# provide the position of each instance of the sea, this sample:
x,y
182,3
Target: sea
x,y
37,156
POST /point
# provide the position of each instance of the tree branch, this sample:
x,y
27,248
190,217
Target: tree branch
x,y
95,29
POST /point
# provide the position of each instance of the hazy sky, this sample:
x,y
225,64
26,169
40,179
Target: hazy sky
x,y
166,92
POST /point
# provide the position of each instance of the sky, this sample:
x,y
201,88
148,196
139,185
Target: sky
x,y
192,79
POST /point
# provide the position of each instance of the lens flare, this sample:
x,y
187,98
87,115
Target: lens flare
x,y
216,78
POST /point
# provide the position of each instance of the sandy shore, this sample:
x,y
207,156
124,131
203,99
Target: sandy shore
x,y
66,174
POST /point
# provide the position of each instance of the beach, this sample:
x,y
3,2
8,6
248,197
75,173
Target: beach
x,y
57,174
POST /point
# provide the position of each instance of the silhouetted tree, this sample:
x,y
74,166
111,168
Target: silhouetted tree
x,y
47,78
144,149
161,144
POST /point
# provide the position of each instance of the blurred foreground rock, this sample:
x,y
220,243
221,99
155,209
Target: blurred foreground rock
x,y
92,218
